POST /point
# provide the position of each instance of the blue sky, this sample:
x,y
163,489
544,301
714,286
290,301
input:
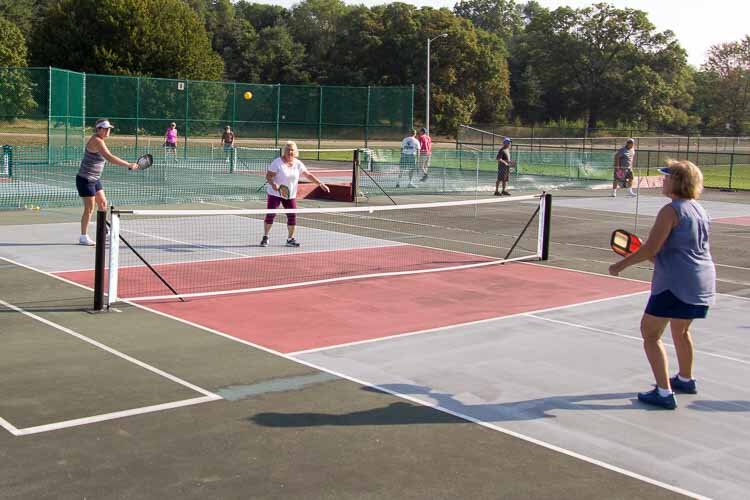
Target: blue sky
x,y
698,24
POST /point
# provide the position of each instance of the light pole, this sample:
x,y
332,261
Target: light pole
x,y
427,107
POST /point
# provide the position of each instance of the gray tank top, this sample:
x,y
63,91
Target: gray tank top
x,y
683,265
92,166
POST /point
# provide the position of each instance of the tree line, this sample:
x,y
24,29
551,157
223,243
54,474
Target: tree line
x,y
502,61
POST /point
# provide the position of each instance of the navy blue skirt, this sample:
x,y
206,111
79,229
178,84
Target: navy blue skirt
x,y
666,305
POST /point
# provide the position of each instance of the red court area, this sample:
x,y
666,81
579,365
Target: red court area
x,y
274,270
737,221
310,317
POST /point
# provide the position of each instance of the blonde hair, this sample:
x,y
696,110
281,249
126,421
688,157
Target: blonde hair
x,y
686,178
290,147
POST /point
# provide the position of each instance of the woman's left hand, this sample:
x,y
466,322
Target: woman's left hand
x,y
325,188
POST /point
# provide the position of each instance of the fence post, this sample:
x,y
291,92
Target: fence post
x,y
648,163
187,118
367,118
137,109
731,169
278,113
320,116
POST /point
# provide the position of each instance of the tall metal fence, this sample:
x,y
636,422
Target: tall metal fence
x,y
491,136
65,104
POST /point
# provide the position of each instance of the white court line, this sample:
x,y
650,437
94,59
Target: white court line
x,y
629,337
207,396
114,415
461,325
467,418
9,427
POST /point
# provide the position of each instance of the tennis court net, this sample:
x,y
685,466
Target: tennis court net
x,y
166,254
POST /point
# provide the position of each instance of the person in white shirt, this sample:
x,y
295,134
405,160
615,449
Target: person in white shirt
x,y
282,178
409,154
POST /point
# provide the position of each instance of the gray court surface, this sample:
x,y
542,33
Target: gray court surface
x,y
569,378
54,247
648,205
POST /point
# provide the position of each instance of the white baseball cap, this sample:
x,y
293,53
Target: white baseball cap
x,y
104,124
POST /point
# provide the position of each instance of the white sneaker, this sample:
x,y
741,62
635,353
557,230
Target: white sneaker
x,y
631,194
614,194
86,241
412,185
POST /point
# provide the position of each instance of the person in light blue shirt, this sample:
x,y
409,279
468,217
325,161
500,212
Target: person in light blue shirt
x,y
408,161
684,280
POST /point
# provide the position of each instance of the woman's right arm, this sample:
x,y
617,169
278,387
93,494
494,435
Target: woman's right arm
x,y
104,150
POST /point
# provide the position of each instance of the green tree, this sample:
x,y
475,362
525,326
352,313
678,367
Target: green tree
x,y
162,38
502,17
20,13
587,59
16,99
724,88
316,23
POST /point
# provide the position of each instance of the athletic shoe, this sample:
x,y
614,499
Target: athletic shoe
x,y
86,241
424,178
505,193
653,398
632,195
264,241
496,193
683,387
397,185
412,185
291,242
614,194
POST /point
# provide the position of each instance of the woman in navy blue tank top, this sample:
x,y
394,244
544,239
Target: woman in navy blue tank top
x,y
683,284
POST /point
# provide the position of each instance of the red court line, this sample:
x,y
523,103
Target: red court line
x,y
738,221
271,270
312,317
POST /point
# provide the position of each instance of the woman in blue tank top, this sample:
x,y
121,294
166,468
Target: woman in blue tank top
x,y
88,180
683,284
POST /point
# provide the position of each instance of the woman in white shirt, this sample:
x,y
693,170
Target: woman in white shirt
x,y
282,178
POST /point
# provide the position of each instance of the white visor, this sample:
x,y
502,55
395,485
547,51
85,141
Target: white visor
x,y
105,124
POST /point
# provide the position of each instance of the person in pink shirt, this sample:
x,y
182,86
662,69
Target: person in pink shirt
x,y
425,151
170,139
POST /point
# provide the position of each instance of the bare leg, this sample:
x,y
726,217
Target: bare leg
x,y
88,208
652,328
683,344
290,230
266,228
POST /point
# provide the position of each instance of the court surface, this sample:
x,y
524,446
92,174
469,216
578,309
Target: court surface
x,y
506,381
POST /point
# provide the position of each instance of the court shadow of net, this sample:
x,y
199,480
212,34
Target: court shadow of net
x,y
404,413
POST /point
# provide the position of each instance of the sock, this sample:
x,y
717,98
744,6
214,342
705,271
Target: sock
x,y
683,379
664,392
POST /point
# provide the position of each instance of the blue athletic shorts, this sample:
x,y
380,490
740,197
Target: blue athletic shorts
x,y
666,305
86,187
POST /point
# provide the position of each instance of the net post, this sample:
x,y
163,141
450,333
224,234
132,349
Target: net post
x,y
544,226
101,237
114,256
355,175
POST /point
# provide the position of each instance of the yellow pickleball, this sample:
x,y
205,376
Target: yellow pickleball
x,y
248,95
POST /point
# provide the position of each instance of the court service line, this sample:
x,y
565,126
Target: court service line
x,y
78,422
629,337
467,418
9,427
459,325
429,404
207,396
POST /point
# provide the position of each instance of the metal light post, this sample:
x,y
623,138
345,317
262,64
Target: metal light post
x,y
427,107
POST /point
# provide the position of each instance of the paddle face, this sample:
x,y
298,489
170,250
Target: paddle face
x,y
284,191
145,161
624,243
